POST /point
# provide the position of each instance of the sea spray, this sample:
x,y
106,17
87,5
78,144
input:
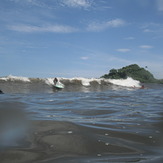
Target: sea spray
x,y
49,81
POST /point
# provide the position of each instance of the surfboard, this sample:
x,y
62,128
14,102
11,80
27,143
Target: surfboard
x,y
59,85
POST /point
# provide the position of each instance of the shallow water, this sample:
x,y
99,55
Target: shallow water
x,y
97,124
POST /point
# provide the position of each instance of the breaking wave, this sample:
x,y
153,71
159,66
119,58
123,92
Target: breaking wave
x,y
129,82
15,78
19,84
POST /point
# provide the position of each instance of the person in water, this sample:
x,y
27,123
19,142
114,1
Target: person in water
x,y
142,87
55,81
1,92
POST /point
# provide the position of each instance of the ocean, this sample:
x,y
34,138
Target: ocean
x,y
89,121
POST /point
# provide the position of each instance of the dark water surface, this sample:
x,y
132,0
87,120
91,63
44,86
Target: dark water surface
x,y
97,125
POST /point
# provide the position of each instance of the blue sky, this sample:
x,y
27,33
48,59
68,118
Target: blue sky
x,y
79,38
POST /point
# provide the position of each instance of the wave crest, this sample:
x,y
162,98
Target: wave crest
x,y
129,82
15,78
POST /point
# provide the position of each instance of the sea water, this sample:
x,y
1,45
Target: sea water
x,y
90,120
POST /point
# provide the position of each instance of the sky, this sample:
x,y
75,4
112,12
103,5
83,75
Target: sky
x,y
80,38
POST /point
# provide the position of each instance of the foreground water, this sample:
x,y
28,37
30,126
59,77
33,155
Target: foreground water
x,y
80,124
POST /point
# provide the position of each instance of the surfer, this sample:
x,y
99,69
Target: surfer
x,y
55,81
58,84
1,92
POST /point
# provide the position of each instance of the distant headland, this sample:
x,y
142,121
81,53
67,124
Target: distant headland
x,y
133,71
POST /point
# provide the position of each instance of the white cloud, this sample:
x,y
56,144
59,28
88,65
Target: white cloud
x,y
148,30
84,58
129,38
123,50
77,3
50,28
160,5
104,25
146,46
154,28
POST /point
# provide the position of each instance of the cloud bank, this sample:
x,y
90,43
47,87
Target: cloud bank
x,y
50,28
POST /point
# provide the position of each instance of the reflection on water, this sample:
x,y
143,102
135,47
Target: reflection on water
x,y
13,123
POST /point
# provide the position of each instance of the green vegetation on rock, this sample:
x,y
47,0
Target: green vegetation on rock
x,y
133,71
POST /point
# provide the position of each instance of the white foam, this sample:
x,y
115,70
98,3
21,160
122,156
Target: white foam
x,y
13,78
49,81
129,82
85,82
